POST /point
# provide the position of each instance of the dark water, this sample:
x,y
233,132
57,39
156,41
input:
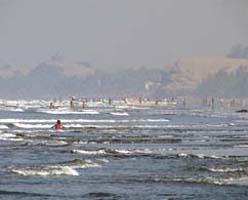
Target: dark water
x,y
123,153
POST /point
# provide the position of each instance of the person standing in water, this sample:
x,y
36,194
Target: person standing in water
x,y
58,125
72,103
212,103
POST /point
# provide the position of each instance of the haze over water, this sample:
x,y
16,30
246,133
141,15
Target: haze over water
x,y
114,34
114,150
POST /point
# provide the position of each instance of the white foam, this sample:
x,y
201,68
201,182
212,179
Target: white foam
x,y
80,124
49,171
88,165
85,164
90,112
143,151
201,156
209,180
29,126
10,120
62,112
67,168
47,142
90,152
9,137
2,126
54,120
112,151
74,126
119,113
225,170
15,109
103,160
215,157
65,112
156,120
123,151
183,155
12,109
238,181
241,146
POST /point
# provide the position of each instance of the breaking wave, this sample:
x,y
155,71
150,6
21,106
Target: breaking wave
x,y
8,121
196,180
119,113
2,126
112,151
64,168
227,170
48,171
70,112
10,137
35,126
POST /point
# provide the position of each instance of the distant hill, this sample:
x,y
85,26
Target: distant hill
x,y
9,71
58,77
226,84
187,74
54,77
68,68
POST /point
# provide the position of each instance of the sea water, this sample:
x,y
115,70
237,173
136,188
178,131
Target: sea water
x,y
122,153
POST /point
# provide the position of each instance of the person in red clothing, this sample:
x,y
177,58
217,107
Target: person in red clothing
x,y
58,125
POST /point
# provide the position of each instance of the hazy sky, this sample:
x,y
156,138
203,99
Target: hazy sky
x,y
119,33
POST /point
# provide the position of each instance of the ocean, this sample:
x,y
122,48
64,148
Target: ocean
x,y
122,152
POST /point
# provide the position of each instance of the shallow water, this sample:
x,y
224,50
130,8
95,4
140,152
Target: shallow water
x,y
122,153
